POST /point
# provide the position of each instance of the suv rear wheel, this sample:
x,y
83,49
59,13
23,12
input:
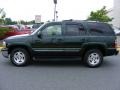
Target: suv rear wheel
x,y
93,58
19,57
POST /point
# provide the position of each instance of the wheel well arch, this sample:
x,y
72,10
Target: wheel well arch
x,y
89,47
20,46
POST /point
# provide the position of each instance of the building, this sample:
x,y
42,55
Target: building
x,y
116,13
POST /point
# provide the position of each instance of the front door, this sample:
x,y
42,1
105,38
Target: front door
x,y
50,41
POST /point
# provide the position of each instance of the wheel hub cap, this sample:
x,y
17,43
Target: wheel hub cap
x,y
94,59
19,57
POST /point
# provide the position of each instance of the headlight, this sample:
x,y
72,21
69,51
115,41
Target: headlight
x,y
4,44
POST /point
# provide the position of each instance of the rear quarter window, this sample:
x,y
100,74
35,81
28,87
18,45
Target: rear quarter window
x,y
101,29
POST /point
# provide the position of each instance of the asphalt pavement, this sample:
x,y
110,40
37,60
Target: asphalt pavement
x,y
60,75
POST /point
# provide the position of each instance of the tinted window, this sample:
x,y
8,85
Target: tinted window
x,y
100,29
74,30
53,30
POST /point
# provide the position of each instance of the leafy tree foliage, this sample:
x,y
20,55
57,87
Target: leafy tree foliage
x,y
100,15
27,22
2,15
8,21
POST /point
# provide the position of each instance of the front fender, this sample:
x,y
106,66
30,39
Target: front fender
x,y
19,45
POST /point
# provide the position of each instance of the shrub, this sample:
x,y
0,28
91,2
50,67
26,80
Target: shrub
x,y
3,31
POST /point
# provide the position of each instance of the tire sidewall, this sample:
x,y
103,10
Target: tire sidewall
x,y
24,52
90,52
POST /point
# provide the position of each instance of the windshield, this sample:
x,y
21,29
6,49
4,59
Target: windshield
x,y
35,31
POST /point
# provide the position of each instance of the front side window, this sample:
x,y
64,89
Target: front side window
x,y
53,30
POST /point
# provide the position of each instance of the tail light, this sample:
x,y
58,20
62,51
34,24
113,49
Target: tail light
x,y
114,45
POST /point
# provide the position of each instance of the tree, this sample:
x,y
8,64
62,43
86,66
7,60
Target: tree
x,y
100,15
23,22
2,15
8,21
31,22
27,22
14,22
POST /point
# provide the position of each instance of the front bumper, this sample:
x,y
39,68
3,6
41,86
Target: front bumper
x,y
5,52
110,52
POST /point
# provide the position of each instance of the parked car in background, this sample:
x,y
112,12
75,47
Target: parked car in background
x,y
29,26
36,26
13,30
21,29
116,30
3,30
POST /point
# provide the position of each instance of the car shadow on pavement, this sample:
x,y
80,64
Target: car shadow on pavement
x,y
108,63
60,63
66,63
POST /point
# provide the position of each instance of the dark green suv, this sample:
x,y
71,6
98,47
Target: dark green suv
x,y
70,38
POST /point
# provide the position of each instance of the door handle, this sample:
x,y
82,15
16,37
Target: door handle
x,y
83,40
37,40
57,40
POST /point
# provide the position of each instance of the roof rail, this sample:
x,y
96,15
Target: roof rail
x,y
68,20
80,20
91,21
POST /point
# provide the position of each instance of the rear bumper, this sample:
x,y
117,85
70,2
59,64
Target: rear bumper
x,y
110,52
5,52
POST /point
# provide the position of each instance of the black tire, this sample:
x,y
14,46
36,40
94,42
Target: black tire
x,y
93,58
19,57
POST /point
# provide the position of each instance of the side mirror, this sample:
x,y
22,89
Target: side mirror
x,y
39,35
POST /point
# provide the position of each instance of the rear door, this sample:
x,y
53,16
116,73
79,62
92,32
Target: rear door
x,y
101,33
74,36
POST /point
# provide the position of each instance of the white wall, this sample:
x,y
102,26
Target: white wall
x,y
116,13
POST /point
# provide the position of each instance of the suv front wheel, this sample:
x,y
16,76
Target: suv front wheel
x,y
19,57
93,58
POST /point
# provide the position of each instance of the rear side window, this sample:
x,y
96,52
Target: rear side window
x,y
74,30
100,29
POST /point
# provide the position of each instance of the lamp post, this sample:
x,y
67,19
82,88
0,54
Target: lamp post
x,y
55,2
56,15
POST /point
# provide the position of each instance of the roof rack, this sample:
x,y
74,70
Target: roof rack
x,y
80,21
68,20
91,21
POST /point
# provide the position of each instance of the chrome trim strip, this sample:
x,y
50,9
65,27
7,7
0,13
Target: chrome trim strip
x,y
57,49
49,50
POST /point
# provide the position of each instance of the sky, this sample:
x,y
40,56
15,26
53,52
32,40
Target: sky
x,y
67,9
